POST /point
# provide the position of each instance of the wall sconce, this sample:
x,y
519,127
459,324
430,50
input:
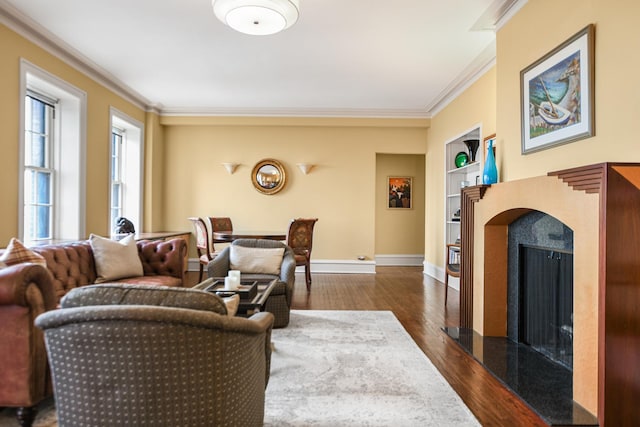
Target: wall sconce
x,y
230,167
305,167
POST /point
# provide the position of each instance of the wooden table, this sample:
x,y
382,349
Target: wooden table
x,y
230,236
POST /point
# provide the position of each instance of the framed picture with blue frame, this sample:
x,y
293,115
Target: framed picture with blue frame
x,y
557,94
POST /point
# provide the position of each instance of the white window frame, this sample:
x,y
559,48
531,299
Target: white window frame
x,y
69,191
47,167
132,167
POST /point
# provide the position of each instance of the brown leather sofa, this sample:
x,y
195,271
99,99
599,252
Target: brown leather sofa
x,y
27,290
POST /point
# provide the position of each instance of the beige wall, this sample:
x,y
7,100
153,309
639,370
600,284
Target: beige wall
x,y
340,190
154,174
396,229
12,48
494,100
617,101
183,175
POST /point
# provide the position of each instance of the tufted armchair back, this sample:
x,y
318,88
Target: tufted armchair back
x,y
155,356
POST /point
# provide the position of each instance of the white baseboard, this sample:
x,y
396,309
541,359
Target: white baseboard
x,y
438,273
399,260
321,266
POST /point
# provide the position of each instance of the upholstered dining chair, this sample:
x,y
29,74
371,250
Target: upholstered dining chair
x,y
158,356
300,239
219,223
452,266
205,252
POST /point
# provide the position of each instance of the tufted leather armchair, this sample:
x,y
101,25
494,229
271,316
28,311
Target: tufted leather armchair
x,y
156,356
28,290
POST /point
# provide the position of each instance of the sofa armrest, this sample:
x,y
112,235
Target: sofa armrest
x,y
265,320
219,266
288,267
163,257
16,280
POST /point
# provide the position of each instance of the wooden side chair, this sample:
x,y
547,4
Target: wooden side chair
x,y
205,254
219,223
300,239
452,266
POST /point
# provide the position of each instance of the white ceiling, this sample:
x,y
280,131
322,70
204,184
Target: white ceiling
x,y
359,58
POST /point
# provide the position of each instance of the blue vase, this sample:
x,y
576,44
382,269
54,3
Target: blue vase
x,y
490,172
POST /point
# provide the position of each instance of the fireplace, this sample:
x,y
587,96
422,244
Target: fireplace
x,y
540,286
600,204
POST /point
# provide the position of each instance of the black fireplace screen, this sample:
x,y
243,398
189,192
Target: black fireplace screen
x,y
546,302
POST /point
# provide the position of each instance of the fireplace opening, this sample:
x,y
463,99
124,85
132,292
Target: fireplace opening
x,y
540,286
546,302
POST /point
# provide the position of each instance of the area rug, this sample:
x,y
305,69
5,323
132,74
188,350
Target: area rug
x,y
344,368
356,368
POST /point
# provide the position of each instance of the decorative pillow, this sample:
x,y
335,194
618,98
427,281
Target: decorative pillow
x,y
17,253
255,260
115,260
232,303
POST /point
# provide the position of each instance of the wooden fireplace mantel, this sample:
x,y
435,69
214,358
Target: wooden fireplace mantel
x,y
618,188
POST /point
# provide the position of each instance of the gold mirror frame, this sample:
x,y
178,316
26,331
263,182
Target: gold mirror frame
x,y
268,176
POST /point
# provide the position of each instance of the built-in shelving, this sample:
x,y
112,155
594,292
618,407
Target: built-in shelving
x,y
456,178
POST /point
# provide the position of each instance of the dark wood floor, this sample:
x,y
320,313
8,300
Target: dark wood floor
x,y
418,302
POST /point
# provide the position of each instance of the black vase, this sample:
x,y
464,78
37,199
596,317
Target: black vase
x,y
472,146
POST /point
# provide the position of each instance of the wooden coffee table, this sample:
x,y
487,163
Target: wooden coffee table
x,y
247,306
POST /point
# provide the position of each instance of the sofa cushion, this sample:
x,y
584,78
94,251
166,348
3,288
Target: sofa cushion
x,y
115,260
150,280
255,260
17,253
126,294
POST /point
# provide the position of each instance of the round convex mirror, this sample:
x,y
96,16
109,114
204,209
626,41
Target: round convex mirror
x,y
268,176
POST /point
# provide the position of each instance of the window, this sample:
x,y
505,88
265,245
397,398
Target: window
x,y
126,169
38,171
52,157
116,175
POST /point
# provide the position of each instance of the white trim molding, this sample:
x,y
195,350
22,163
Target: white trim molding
x,y
437,273
321,266
399,260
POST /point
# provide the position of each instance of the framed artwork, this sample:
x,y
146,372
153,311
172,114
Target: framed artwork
x,y
557,94
485,146
400,188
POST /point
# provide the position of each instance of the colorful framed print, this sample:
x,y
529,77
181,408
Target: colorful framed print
x,y
557,94
400,188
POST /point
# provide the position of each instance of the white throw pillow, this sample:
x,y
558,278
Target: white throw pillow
x,y
255,260
115,260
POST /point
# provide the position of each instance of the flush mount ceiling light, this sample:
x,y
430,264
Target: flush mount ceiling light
x,y
257,17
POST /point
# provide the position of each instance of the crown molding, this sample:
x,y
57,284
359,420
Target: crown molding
x,y
480,65
297,112
496,16
38,35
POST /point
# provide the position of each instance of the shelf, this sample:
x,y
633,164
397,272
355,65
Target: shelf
x,y
465,169
454,178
